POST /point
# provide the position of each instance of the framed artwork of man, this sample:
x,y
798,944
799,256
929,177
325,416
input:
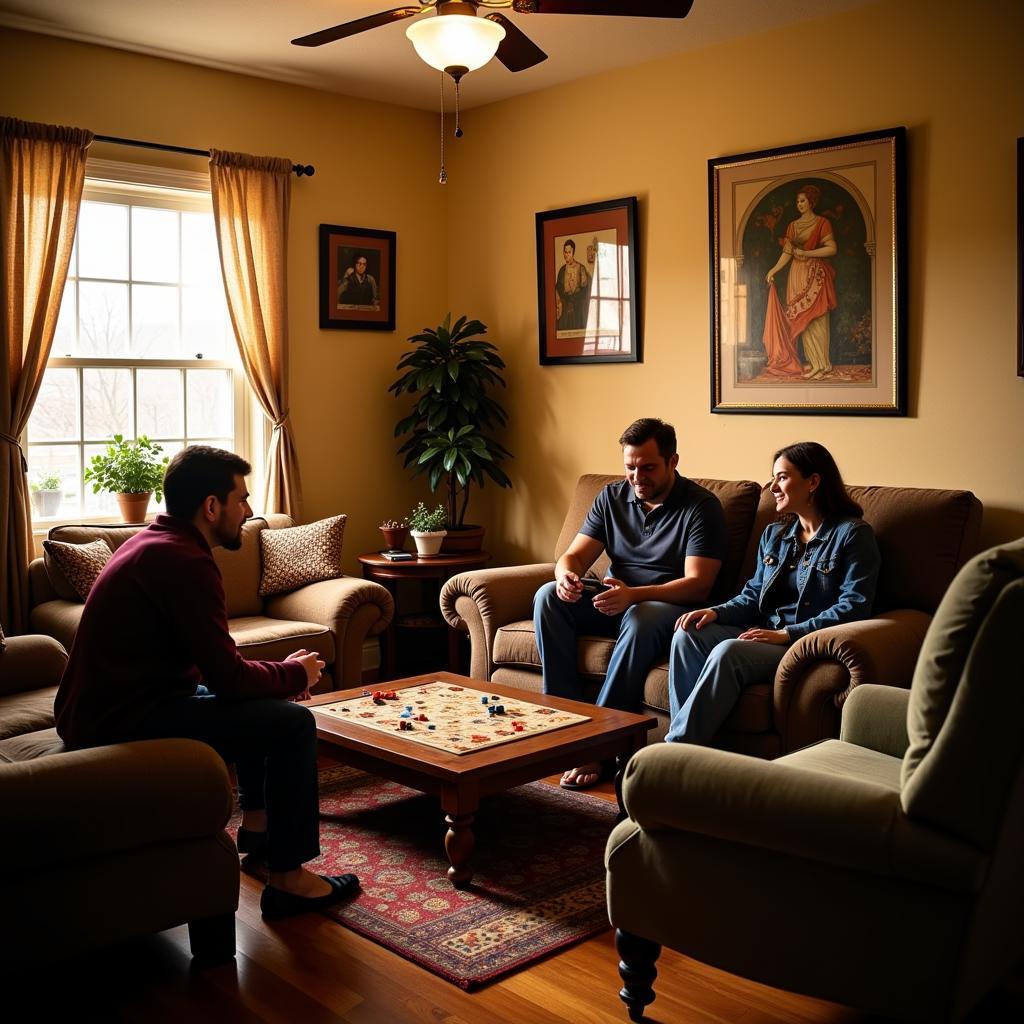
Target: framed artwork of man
x,y
357,278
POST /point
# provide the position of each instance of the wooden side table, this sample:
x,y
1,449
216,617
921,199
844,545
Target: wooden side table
x,y
437,568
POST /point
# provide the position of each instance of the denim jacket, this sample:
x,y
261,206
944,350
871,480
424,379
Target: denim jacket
x,y
836,578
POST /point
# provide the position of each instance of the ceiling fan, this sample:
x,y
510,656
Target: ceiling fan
x,y
469,41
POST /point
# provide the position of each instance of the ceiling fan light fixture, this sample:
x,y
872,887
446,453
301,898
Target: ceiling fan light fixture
x,y
455,40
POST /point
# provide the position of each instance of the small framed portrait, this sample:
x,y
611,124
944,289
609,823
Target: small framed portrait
x,y
587,289
357,278
808,278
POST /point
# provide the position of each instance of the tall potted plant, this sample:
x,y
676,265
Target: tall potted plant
x,y
451,372
133,471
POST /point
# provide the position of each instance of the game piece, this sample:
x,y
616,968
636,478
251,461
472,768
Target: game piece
x,y
492,710
365,693
377,694
422,718
405,714
391,695
431,726
378,700
408,707
483,700
499,709
495,697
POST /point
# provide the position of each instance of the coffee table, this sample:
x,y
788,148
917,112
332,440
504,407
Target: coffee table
x,y
460,781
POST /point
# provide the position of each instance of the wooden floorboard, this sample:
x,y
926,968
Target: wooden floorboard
x,y
312,970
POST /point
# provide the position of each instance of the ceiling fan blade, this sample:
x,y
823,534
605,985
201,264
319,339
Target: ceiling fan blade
x,y
517,51
351,28
624,8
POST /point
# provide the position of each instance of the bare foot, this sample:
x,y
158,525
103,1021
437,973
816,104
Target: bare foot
x,y
584,777
299,882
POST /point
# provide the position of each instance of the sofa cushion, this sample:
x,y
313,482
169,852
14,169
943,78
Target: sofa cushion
x,y
298,555
240,571
30,745
75,565
26,711
58,619
260,638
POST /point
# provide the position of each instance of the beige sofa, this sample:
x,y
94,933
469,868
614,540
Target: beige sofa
x,y
99,846
332,617
882,869
925,536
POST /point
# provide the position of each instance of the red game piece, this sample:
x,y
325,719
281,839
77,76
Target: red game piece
x,y
390,695
422,718
376,694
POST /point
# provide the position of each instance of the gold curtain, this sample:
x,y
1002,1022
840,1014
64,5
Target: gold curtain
x,y
251,197
42,172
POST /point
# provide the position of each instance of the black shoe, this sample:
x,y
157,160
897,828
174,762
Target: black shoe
x,y
251,842
276,903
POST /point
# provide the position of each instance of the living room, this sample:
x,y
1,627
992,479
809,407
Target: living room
x,y
950,74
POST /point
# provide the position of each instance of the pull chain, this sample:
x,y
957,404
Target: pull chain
x,y
442,178
458,129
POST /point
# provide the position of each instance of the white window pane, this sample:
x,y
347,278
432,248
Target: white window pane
x,y
210,403
205,326
154,244
55,480
154,321
200,261
102,319
64,337
103,503
103,240
161,403
107,399
55,414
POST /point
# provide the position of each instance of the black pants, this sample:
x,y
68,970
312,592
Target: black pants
x,y
272,744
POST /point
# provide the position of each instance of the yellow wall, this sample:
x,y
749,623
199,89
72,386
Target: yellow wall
x,y
375,167
952,75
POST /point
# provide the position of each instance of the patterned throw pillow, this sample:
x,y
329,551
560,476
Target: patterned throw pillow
x,y
80,563
297,555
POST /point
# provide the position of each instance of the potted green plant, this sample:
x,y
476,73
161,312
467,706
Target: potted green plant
x,y
450,373
395,533
427,529
133,471
47,493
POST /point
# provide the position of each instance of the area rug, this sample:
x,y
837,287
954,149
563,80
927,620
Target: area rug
x,y
538,887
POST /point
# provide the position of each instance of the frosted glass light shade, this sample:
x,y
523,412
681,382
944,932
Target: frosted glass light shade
x,y
455,40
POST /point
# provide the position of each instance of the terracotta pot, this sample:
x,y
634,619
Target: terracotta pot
x,y
462,540
428,544
395,536
133,506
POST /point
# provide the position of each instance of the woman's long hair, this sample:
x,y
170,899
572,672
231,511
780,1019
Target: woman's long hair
x,y
831,498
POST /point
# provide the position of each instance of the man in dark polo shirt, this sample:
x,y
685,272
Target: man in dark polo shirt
x,y
665,538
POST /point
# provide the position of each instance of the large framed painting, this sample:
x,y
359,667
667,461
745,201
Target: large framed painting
x,y
357,278
587,290
808,278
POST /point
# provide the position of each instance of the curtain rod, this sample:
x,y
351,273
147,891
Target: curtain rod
x,y
300,170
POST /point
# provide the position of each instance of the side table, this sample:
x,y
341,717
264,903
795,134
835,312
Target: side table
x,y
437,568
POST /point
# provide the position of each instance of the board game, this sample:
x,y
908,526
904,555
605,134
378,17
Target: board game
x,y
451,717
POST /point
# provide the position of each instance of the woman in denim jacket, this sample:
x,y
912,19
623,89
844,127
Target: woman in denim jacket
x,y
816,567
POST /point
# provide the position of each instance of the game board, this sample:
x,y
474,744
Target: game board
x,y
453,718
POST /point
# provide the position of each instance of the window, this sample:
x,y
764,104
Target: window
x,y
143,342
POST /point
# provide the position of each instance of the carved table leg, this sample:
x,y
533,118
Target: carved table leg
x,y
458,843
621,761
637,970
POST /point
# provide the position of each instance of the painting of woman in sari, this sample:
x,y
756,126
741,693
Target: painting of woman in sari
x,y
807,249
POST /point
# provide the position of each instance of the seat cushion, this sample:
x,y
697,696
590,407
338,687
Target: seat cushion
x,y
848,761
26,711
516,644
264,639
31,745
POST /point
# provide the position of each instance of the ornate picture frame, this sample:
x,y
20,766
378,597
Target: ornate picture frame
x,y
808,278
588,295
357,278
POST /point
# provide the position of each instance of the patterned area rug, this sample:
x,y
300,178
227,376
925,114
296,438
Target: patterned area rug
x,y
539,884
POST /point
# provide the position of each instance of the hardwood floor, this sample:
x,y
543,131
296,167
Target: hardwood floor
x,y
313,971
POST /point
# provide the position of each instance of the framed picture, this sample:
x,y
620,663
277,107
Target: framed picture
x,y
808,278
357,278
1020,257
587,292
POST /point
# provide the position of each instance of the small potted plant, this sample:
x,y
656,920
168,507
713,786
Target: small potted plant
x,y
427,528
133,471
395,533
47,492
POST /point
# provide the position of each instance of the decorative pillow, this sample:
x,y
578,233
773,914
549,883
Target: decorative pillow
x,y
297,555
3,639
80,563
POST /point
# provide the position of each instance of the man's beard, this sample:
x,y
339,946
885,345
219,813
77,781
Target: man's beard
x,y
231,541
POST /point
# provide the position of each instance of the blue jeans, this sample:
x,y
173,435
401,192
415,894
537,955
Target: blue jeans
x,y
708,670
642,632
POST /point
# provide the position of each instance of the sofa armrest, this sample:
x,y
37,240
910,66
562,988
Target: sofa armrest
x,y
482,601
351,608
30,663
876,717
820,670
88,803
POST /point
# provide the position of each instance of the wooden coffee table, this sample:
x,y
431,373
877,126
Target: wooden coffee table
x,y
460,781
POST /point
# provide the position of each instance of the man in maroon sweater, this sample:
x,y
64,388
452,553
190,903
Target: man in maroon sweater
x,y
153,658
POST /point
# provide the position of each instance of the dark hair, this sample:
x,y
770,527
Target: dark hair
x,y
570,243
642,430
813,194
195,473
831,498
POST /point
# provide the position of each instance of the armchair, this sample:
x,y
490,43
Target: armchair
x,y
925,536
882,869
